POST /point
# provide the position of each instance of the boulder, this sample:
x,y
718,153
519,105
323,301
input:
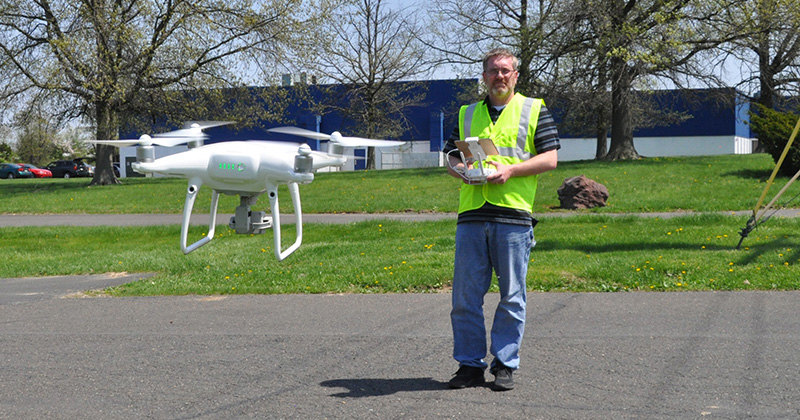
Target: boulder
x,y
580,192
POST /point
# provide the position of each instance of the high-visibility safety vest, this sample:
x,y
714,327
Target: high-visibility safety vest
x,y
513,135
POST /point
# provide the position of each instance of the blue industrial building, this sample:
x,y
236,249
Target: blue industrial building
x,y
715,123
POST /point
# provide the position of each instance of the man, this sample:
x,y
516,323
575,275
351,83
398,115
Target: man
x,y
495,221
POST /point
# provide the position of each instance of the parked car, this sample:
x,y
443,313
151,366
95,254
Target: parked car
x,y
70,168
12,170
37,171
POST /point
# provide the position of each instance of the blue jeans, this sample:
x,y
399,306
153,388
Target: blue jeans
x,y
480,249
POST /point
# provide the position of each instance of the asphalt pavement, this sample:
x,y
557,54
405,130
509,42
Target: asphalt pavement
x,y
648,355
706,355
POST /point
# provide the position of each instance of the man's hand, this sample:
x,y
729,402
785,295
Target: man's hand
x,y
502,175
538,164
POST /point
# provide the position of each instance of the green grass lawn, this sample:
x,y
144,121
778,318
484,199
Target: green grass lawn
x,y
586,253
709,183
590,251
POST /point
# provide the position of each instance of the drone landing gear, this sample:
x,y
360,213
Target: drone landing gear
x,y
294,191
191,194
246,221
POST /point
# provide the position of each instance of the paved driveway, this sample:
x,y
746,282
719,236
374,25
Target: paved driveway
x,y
683,355
717,355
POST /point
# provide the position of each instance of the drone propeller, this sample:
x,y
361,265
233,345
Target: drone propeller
x,y
302,132
191,131
336,138
145,140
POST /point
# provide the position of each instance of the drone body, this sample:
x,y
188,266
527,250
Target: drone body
x,y
244,168
239,166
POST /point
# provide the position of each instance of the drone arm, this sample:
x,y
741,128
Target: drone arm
x,y
191,194
276,220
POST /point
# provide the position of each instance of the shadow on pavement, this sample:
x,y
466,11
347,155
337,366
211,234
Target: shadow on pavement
x,y
358,388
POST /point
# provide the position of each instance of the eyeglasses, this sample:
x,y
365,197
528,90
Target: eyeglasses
x,y
500,72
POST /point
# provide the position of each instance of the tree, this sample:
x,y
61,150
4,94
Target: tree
x,y
774,130
370,48
36,142
598,50
462,31
769,49
642,39
98,59
580,78
6,153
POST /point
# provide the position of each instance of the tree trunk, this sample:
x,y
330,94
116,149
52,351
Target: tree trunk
x,y
766,76
621,125
370,158
601,130
106,126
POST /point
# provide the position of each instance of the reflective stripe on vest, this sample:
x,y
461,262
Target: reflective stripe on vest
x,y
468,119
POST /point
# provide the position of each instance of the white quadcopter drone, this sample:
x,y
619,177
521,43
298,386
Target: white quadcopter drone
x,y
244,168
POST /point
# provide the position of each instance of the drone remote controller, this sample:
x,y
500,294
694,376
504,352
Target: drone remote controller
x,y
478,150
479,174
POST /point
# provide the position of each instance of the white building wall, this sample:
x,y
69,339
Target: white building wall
x,y
413,154
127,154
584,149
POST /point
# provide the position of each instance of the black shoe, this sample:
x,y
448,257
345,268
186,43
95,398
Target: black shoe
x,y
503,378
467,376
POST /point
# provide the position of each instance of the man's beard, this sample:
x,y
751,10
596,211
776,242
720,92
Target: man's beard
x,y
501,91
